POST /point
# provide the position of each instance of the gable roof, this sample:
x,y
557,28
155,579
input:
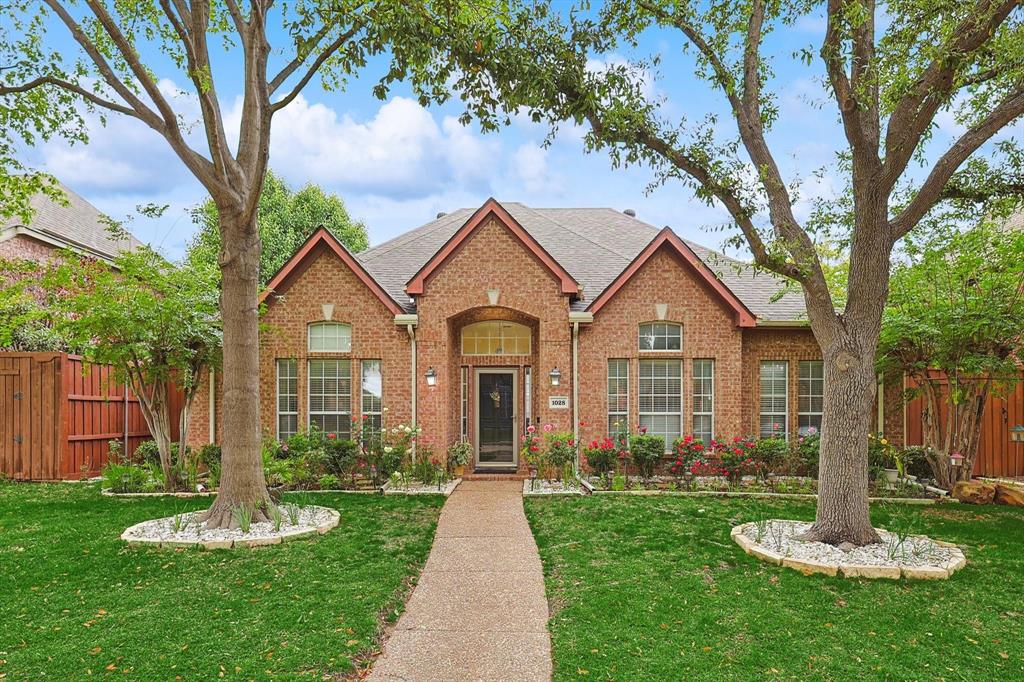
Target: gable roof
x,y
491,209
322,237
78,225
667,238
594,245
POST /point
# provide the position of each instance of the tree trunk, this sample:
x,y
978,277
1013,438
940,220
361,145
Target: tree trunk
x,y
156,412
843,509
242,483
962,431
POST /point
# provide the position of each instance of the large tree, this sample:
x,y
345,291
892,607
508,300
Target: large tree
x,y
889,70
285,219
59,58
955,324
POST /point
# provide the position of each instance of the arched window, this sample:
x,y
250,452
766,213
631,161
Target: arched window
x,y
496,337
661,336
330,337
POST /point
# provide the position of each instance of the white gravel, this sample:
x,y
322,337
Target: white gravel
x,y
192,530
543,487
779,536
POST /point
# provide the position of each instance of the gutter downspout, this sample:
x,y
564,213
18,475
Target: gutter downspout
x,y
412,338
213,406
576,390
881,404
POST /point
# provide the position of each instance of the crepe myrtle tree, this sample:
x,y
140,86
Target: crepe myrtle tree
x,y
155,323
888,71
62,58
954,322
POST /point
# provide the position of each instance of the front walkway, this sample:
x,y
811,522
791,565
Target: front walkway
x,y
479,610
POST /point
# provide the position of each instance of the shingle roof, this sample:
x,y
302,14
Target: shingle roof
x,y
593,244
79,225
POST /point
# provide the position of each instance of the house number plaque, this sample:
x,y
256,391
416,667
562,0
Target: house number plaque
x,y
558,402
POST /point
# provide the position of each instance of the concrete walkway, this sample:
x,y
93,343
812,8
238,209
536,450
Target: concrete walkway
x,y
479,610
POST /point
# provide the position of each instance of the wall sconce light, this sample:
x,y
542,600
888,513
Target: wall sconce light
x,y
431,376
1017,433
556,377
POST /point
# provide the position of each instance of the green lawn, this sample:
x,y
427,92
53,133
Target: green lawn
x,y
76,602
653,588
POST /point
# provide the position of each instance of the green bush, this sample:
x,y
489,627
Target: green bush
x,y
146,452
646,451
806,452
601,456
769,453
126,478
209,457
561,450
329,482
339,456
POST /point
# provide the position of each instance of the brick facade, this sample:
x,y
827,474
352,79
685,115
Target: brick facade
x,y
494,275
20,246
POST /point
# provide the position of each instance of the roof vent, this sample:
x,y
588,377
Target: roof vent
x,y
630,212
440,214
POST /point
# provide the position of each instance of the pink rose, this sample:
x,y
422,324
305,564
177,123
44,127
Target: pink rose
x,y
548,428
531,428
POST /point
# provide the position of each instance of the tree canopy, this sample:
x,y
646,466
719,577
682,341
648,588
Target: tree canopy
x,y
954,322
285,219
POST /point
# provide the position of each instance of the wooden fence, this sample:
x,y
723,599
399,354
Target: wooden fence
x,y
997,454
58,414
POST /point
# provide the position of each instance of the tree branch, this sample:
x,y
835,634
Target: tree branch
x,y
1011,108
70,87
326,54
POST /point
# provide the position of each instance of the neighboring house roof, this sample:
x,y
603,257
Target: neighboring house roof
x,y
593,245
323,237
79,225
668,238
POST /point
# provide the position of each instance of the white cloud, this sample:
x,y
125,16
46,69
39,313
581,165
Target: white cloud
x,y
641,75
529,167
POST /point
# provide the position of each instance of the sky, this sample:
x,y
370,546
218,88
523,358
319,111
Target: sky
x,y
397,164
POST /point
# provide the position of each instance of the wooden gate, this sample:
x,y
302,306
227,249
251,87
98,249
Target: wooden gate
x,y
58,415
997,454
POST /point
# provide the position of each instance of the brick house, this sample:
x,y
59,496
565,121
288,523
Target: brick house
x,y
77,225
484,321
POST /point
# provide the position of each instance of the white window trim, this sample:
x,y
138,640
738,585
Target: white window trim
x,y
607,398
694,396
280,413
326,323
785,422
676,351
464,403
682,397
799,394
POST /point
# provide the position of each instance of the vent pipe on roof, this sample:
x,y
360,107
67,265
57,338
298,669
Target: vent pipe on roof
x,y
630,212
440,214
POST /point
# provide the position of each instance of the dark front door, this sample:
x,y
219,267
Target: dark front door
x,y
495,418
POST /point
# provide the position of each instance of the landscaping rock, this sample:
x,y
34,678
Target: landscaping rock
x,y
1009,495
809,566
925,573
870,571
192,532
974,492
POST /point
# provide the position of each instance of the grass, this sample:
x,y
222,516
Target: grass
x,y
77,602
653,588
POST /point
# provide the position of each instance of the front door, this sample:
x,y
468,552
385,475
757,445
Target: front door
x,y
496,418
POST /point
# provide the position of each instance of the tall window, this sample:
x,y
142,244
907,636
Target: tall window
x,y
661,336
527,397
704,400
811,395
774,403
661,398
330,396
330,337
370,387
618,396
287,397
496,337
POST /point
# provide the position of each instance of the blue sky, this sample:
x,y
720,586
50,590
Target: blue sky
x,y
397,165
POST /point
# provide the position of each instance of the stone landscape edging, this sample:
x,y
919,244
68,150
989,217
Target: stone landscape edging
x,y
449,488
282,537
850,570
107,492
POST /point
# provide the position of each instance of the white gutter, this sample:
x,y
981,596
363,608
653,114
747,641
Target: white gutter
x,y
410,322
213,408
576,387
881,405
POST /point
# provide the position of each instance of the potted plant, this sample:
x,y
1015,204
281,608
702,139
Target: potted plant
x,y
881,455
458,457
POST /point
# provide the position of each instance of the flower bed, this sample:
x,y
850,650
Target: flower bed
x,y
420,488
540,486
780,485
187,530
897,555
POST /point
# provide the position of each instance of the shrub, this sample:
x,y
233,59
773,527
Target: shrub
x,y
600,456
806,452
768,453
125,478
689,449
561,450
209,457
459,454
146,452
329,482
339,457
646,451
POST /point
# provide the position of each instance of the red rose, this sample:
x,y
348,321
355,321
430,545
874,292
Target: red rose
x,y
332,436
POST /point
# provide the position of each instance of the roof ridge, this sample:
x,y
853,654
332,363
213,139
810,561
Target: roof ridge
x,y
410,236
